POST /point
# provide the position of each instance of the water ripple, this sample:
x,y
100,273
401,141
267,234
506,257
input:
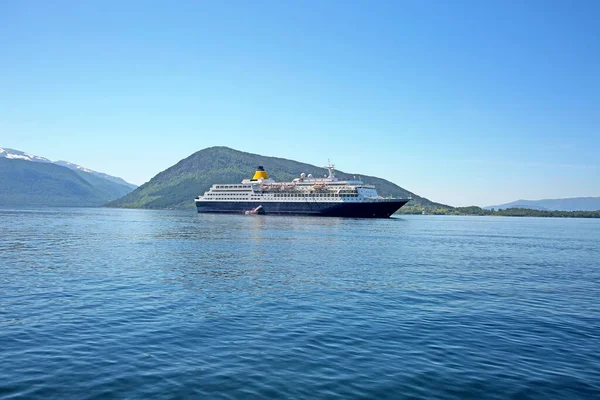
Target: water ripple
x,y
98,303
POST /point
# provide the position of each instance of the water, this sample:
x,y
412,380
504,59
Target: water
x,y
100,303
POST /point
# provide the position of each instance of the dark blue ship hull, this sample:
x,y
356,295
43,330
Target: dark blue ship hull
x,y
377,209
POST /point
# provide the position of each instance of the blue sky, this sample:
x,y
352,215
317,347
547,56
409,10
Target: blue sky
x,y
463,102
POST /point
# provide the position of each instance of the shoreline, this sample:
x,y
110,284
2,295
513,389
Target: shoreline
x,y
508,212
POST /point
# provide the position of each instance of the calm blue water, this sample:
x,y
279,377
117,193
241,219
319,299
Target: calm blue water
x,y
100,303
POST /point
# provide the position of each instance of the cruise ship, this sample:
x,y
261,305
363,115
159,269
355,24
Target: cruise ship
x,y
305,195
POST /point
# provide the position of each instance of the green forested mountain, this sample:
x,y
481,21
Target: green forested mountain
x,y
177,186
28,183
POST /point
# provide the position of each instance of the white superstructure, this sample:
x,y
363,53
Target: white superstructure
x,y
302,189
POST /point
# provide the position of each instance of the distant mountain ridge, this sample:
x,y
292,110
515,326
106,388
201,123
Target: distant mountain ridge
x,y
21,155
29,180
111,178
567,204
177,186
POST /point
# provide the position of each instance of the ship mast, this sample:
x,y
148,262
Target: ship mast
x,y
331,169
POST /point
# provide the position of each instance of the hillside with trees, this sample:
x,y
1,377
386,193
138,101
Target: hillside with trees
x,y
177,186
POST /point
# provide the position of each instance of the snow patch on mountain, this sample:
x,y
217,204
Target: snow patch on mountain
x,y
20,155
75,166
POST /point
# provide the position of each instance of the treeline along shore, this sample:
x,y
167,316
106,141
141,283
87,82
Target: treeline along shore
x,y
508,212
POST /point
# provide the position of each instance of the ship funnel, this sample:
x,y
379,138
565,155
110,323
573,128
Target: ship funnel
x,y
260,174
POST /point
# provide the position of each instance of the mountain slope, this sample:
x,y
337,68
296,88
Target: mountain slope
x,y
26,183
177,186
114,179
569,204
109,190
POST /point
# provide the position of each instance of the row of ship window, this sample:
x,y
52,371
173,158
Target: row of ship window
x,y
290,195
314,195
